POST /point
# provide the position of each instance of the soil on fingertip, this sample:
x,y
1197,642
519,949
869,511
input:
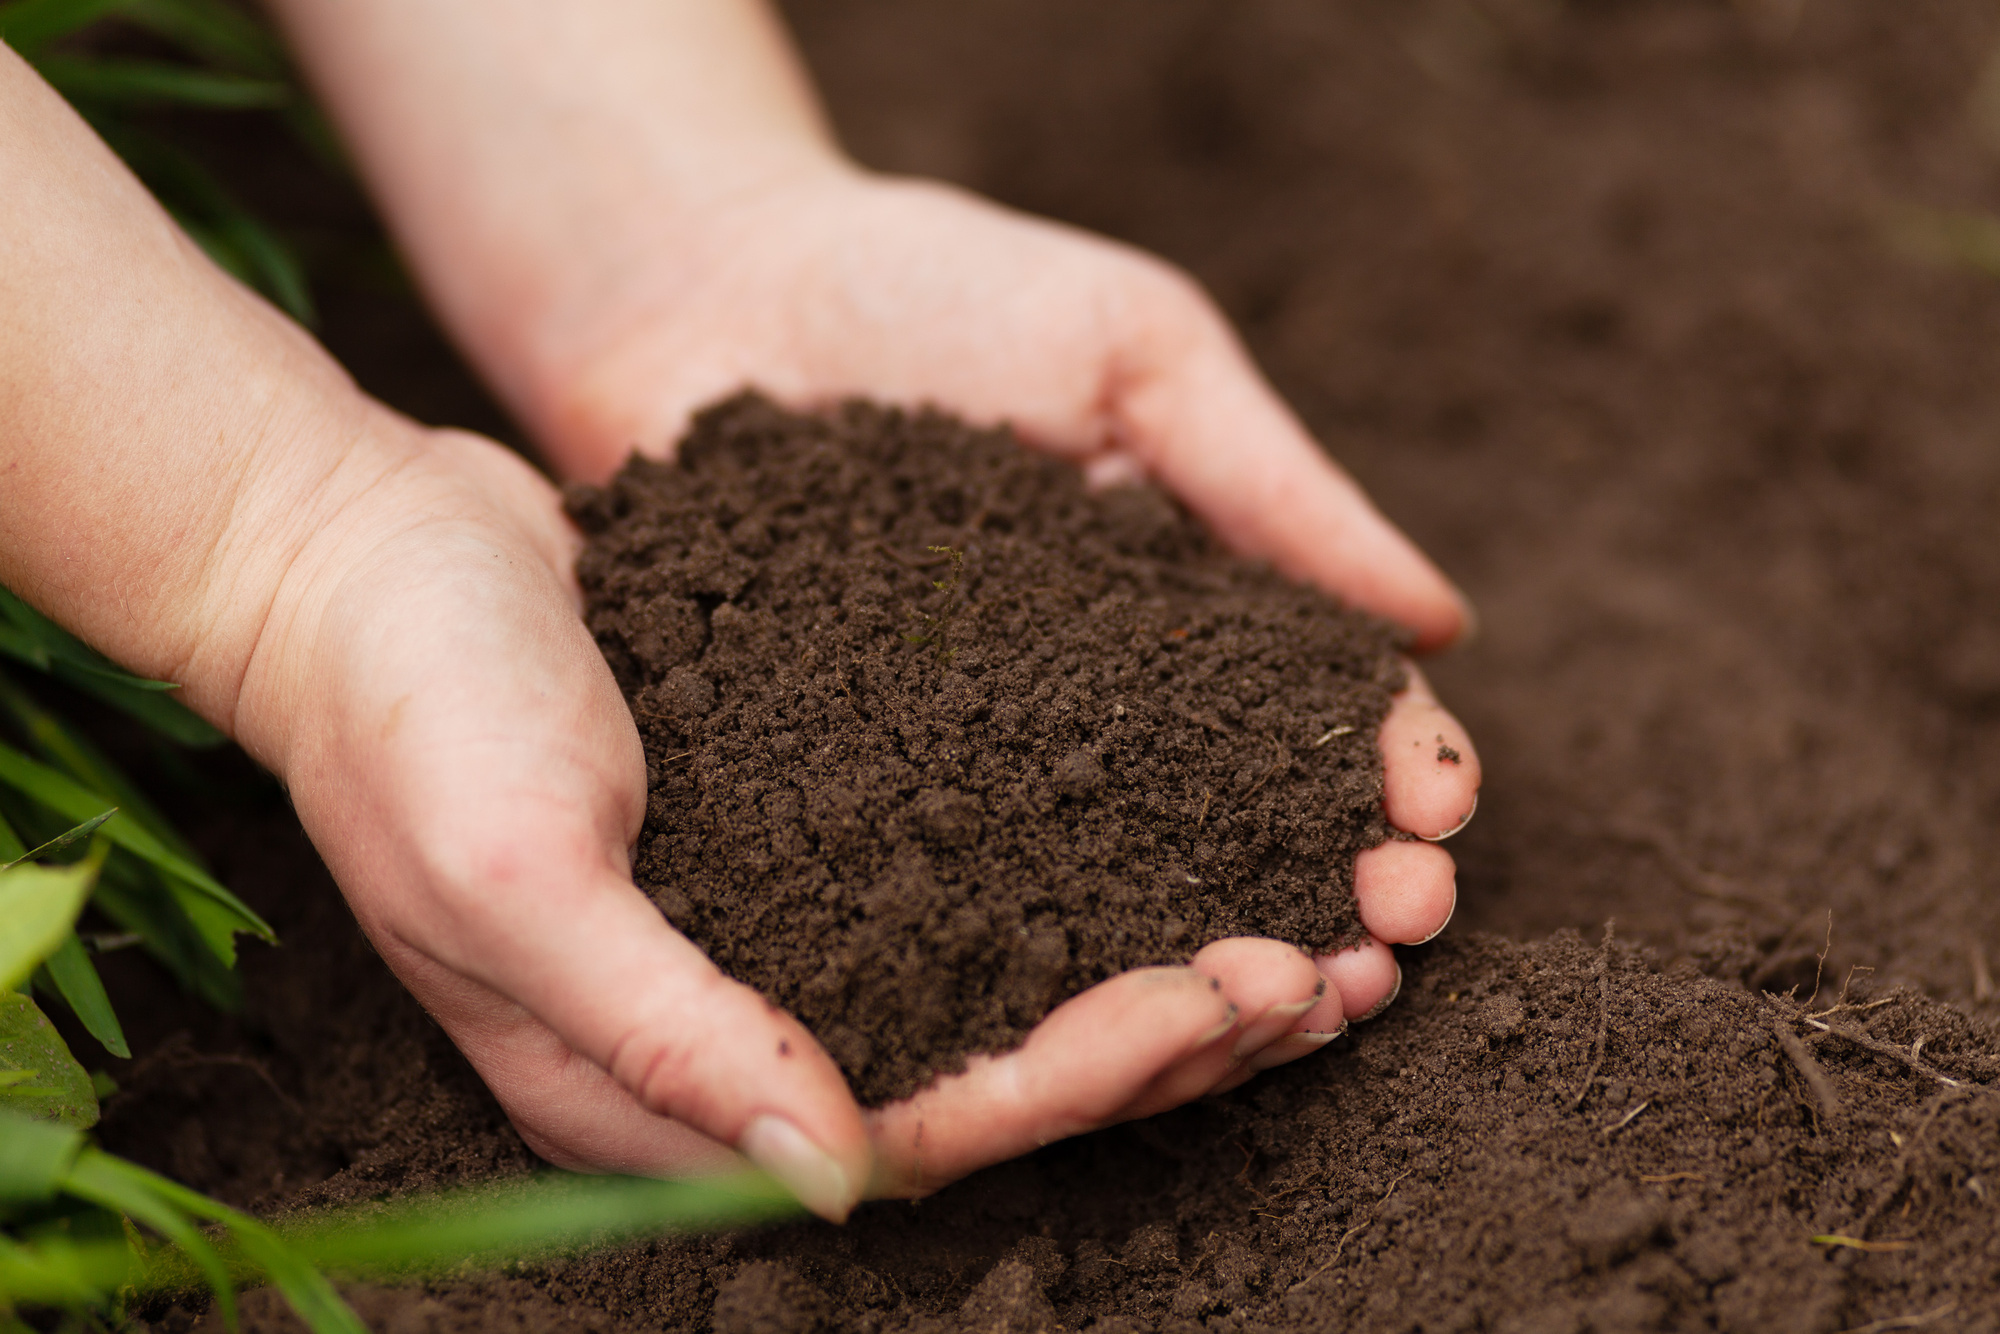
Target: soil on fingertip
x,y
1645,320
936,738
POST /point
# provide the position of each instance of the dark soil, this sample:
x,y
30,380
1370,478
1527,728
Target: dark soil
x,y
1614,307
935,739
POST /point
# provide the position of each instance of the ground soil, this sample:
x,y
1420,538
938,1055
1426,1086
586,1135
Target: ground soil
x,y
935,739
1637,316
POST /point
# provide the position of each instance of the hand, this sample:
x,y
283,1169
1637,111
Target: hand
x,y
461,756
834,283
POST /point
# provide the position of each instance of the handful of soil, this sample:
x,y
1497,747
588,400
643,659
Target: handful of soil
x,y
936,738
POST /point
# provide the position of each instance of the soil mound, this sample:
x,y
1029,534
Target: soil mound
x,y
936,739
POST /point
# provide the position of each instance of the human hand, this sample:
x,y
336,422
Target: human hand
x,y
835,283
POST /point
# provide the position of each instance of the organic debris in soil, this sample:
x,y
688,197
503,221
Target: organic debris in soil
x,y
936,739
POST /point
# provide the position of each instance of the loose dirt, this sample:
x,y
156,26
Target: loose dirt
x,y
1637,316
935,740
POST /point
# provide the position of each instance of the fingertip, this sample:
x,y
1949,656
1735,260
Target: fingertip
x,y
1366,976
1404,891
1430,771
820,1181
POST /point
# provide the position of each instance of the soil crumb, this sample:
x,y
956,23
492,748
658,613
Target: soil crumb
x,y
936,738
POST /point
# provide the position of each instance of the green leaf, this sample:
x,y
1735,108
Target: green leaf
x,y
66,797
45,1082
68,750
76,981
59,842
35,1156
28,25
135,897
38,906
129,1189
12,849
29,636
217,34
122,81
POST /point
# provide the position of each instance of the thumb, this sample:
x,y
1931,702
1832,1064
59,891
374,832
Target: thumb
x,y
667,1044
1194,411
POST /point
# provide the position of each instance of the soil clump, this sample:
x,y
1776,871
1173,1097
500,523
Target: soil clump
x,y
936,739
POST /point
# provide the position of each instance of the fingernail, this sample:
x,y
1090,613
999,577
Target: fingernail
x,y
1465,820
1469,633
1387,1000
1220,1030
1272,1025
807,1170
1447,917
1291,1047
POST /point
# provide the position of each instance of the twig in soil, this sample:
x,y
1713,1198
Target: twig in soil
x,y
1350,1235
1284,762
1603,1017
1809,1069
1206,798
1819,965
1894,1053
1982,976
1844,1008
1626,1119
1330,734
1833,1239
684,755
1672,1176
1904,1321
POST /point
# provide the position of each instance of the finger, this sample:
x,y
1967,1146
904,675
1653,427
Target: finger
x,y
1198,414
1078,1067
1272,985
1430,772
1367,978
568,1110
617,985
1405,892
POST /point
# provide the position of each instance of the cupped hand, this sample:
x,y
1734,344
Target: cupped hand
x,y
831,283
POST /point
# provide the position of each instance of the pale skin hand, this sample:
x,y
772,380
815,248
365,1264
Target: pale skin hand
x,y
625,208
382,615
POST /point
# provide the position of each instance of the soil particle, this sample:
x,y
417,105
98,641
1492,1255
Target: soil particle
x,y
936,739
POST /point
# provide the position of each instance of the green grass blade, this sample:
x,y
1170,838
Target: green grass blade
x,y
76,981
160,712
38,908
124,82
133,896
547,1215
12,849
68,750
115,1184
60,1272
68,798
35,1157
54,845
28,25
304,1287
44,644
38,1075
217,34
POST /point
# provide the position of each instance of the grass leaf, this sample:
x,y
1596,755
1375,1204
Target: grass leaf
x,y
75,979
56,844
35,1157
126,1188
127,82
38,908
29,636
216,34
43,1079
28,25
66,797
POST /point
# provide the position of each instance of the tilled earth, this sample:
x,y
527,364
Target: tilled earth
x,y
1656,323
